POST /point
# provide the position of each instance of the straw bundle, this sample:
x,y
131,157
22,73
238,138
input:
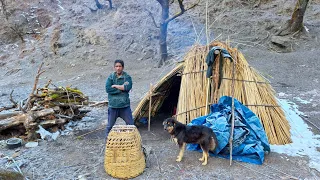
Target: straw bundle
x,y
192,97
123,156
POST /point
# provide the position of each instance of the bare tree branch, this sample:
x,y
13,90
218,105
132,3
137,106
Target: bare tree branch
x,y
152,17
165,19
182,10
7,108
15,104
26,106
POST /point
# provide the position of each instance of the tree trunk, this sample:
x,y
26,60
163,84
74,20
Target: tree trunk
x,y
295,24
298,14
164,32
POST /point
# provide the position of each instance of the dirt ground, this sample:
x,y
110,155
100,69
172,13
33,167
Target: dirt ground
x,y
89,43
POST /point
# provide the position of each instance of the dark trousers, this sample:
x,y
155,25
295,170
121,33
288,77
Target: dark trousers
x,y
114,113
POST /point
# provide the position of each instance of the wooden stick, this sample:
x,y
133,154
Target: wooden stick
x,y
69,101
101,128
11,99
150,103
98,103
232,110
207,97
242,80
194,72
216,76
264,105
15,104
26,106
185,112
7,108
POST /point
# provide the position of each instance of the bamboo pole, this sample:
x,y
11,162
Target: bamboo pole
x,y
232,111
207,35
207,95
150,103
216,76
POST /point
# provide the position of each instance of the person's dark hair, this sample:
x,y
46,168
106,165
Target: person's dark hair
x,y
119,61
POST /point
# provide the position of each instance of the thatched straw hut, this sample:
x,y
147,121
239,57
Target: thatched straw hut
x,y
191,92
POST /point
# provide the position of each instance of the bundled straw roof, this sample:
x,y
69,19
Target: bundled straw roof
x,y
250,88
160,92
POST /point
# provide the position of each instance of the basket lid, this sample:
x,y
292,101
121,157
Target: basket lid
x,y
124,128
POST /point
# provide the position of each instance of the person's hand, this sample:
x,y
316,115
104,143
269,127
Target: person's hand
x,y
120,87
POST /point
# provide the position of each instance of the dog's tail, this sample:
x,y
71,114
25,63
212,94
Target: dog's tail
x,y
213,141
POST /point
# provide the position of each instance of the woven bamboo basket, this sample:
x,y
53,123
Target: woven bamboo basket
x,y
123,156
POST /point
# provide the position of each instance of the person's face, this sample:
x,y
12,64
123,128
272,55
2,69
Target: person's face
x,y
118,68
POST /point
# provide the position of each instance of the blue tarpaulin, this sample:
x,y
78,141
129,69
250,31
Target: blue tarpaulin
x,y
249,140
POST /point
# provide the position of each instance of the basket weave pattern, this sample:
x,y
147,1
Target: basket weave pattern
x,y
123,156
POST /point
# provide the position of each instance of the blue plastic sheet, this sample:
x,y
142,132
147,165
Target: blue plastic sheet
x,y
249,141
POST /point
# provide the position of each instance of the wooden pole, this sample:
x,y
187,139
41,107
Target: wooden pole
x,y
150,103
232,109
207,97
216,76
26,106
207,35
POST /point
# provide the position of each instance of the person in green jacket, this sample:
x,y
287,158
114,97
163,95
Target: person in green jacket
x,y
118,85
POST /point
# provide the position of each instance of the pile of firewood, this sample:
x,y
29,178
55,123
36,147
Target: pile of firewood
x,y
49,107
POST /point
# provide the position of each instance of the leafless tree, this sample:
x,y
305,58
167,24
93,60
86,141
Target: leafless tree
x,y
165,19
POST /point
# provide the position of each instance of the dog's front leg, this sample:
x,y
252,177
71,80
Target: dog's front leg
x,y
182,147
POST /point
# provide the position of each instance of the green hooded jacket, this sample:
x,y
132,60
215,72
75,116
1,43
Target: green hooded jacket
x,y
116,97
